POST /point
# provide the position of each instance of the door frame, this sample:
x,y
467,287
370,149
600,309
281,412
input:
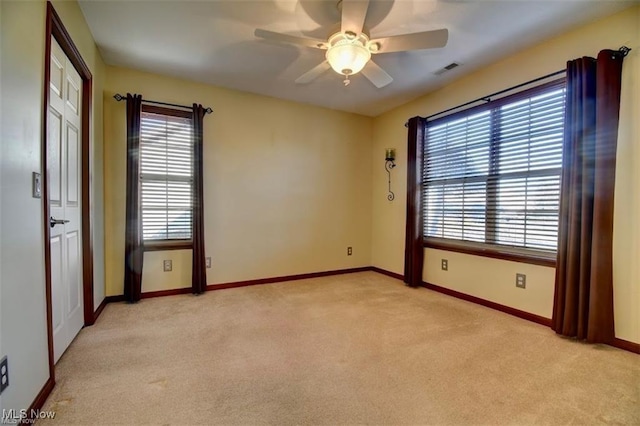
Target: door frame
x,y
55,28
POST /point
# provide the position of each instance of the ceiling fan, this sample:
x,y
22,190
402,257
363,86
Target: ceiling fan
x,y
349,50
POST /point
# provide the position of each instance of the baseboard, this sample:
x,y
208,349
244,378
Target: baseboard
x,y
162,293
235,284
286,278
489,304
114,299
477,300
626,345
149,295
98,311
388,273
39,401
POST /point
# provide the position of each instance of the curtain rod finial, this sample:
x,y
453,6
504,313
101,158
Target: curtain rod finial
x,y
118,97
624,50
208,110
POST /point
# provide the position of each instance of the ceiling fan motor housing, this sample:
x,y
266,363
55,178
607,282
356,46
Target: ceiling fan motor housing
x,y
348,52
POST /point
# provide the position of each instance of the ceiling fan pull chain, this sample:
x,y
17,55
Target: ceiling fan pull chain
x,y
346,81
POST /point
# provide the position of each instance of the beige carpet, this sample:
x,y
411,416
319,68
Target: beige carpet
x,y
349,349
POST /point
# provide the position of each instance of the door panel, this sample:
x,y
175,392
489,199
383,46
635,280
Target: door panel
x,y
73,272
53,158
57,74
73,94
57,300
63,165
73,166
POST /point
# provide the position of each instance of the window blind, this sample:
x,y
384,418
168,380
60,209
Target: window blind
x,y
492,174
166,161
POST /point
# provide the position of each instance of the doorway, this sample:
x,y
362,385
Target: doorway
x,y
66,189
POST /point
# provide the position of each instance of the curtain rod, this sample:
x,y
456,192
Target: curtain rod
x,y
624,51
118,97
487,98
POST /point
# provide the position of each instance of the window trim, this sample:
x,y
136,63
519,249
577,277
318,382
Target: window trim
x,y
168,244
162,245
514,254
491,250
154,109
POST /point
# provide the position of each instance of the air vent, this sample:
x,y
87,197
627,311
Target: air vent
x,y
449,67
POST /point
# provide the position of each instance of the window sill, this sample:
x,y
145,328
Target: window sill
x,y
167,245
493,252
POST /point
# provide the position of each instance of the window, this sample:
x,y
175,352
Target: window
x,y
491,177
166,175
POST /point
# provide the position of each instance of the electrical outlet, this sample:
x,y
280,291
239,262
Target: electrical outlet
x,y
4,374
445,264
349,251
521,281
167,265
207,262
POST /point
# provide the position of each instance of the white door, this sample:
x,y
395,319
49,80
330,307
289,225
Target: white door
x,y
63,164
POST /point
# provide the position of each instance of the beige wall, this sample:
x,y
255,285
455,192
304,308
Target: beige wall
x,y
495,279
23,333
287,186
155,279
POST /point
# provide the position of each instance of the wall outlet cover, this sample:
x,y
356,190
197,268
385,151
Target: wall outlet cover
x,y
167,265
521,281
207,262
349,251
4,373
445,264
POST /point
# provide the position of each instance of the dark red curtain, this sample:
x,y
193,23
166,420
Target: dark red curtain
x,y
583,300
414,248
199,271
134,248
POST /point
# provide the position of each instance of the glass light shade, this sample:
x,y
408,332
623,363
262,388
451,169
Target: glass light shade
x,y
348,57
390,154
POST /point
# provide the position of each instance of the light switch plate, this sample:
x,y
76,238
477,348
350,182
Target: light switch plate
x,y
36,185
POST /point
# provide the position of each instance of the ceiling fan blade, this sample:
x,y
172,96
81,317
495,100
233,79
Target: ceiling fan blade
x,y
376,75
415,41
313,73
286,38
353,14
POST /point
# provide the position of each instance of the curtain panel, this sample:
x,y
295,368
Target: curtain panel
x,y
134,246
199,271
583,299
414,246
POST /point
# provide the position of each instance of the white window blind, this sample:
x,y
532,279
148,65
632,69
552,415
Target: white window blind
x,y
492,174
166,157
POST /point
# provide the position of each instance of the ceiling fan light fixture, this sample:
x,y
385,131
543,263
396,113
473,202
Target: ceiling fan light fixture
x,y
346,54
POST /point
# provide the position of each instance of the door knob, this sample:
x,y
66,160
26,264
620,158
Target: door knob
x,y
53,221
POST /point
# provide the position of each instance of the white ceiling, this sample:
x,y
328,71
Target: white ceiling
x,y
213,42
